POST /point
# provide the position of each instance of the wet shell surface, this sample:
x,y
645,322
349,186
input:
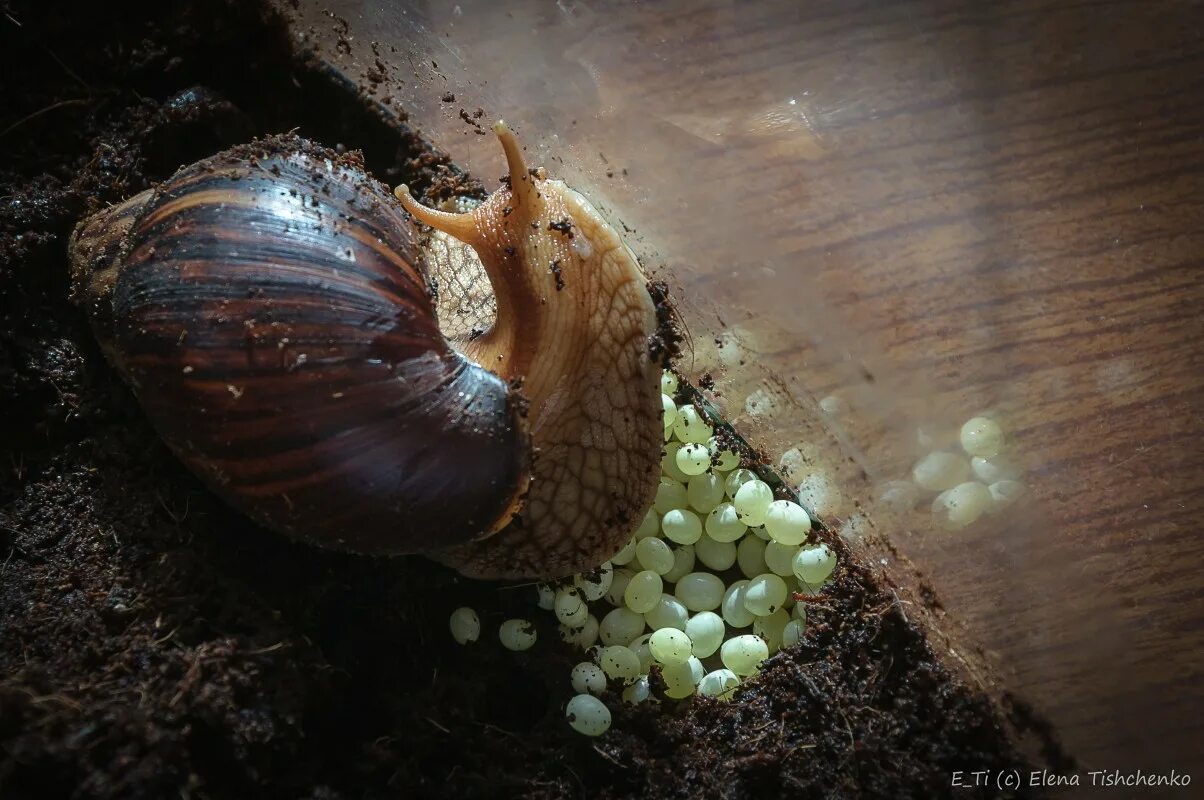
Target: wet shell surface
x,y
269,309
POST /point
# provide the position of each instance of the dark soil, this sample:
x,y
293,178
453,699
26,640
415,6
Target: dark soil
x,y
154,644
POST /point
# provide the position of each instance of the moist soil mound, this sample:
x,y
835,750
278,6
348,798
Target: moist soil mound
x,y
155,644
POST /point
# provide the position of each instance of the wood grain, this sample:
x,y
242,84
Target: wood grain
x,y
925,208
1047,256
1025,233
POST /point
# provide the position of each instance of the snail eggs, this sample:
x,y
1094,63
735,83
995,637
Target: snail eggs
x,y
962,487
695,600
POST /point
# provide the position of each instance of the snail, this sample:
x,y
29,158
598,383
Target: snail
x,y
272,310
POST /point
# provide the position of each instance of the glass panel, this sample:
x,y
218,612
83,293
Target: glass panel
x,y
882,219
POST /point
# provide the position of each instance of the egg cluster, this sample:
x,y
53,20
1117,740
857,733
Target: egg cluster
x,y
980,480
962,500
702,593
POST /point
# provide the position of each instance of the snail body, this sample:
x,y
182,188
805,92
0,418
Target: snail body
x,y
271,309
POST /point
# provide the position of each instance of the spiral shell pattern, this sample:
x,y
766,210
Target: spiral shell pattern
x,y
270,309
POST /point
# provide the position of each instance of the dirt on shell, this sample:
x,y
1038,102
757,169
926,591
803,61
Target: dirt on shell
x,y
155,644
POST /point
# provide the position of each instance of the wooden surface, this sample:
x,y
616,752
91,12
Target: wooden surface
x,y
967,205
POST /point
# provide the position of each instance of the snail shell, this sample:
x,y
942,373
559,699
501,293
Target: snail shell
x,y
268,309
271,308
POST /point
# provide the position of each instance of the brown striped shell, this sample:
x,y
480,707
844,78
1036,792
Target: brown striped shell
x,y
268,307
272,309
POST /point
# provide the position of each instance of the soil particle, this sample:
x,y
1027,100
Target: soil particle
x,y
155,644
664,345
471,120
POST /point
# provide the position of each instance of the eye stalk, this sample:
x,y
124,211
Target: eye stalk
x,y
508,233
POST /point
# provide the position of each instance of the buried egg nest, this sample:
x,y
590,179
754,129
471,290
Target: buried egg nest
x,y
154,644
